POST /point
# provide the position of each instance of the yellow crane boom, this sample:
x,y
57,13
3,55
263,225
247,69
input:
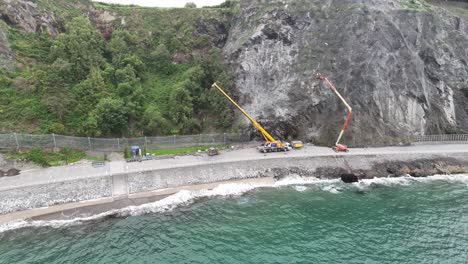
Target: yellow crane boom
x,y
265,134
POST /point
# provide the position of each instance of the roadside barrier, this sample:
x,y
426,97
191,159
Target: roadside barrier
x,y
441,139
53,141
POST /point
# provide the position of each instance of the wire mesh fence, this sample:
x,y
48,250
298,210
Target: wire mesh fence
x,y
25,141
442,139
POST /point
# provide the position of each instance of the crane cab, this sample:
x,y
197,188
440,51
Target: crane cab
x,y
340,148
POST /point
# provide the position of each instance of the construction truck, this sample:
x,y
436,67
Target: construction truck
x,y
274,147
339,147
271,144
296,144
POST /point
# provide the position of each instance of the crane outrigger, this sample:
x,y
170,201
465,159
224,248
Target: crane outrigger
x,y
339,147
271,144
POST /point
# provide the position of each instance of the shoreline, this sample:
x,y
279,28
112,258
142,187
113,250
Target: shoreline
x,y
84,209
156,202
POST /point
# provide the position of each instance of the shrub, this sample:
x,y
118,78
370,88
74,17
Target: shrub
x,y
68,155
127,153
37,156
57,128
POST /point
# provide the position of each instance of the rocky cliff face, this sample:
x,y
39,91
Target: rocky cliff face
x,y
7,57
402,66
37,16
27,16
33,17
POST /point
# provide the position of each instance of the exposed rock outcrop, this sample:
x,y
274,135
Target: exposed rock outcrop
x,y
7,57
104,21
8,173
25,15
404,70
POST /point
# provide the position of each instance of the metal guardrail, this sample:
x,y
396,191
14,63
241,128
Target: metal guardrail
x,y
20,141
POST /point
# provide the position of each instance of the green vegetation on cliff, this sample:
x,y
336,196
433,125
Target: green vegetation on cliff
x,y
119,71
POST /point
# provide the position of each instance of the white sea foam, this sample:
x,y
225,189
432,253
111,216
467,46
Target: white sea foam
x,y
455,178
332,189
186,197
300,188
407,180
297,180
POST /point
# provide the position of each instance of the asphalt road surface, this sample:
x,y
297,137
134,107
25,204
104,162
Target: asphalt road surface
x,y
86,170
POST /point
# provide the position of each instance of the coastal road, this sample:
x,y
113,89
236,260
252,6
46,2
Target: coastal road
x,y
86,170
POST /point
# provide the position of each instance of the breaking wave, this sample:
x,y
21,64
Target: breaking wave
x,y
407,180
186,197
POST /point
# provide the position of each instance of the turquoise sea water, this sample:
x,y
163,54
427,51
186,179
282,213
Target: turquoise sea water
x,y
378,221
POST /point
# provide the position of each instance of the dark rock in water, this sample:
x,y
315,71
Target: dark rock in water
x,y
12,172
112,216
349,178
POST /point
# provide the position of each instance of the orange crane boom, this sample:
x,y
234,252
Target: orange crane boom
x,y
338,146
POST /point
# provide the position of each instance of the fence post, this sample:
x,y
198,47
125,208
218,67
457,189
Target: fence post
x,y
89,143
16,140
174,139
118,144
146,145
55,142
224,138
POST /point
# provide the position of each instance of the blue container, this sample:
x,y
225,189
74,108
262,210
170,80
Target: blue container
x,y
135,150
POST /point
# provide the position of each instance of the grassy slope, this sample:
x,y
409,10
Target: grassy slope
x,y
457,7
186,150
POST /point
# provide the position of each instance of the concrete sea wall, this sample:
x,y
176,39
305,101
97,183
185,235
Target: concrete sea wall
x,y
118,183
37,196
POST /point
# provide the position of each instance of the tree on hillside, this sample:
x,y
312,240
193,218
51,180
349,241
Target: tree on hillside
x,y
161,59
110,117
154,123
181,107
88,92
121,45
129,89
55,83
81,45
138,66
126,74
195,76
190,5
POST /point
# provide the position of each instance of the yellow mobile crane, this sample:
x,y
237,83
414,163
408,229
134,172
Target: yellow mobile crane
x,y
271,144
